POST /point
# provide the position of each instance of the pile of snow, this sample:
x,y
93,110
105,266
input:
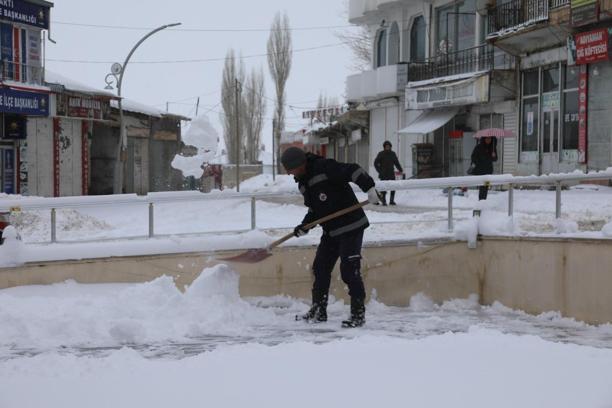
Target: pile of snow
x,y
111,315
264,183
202,135
12,249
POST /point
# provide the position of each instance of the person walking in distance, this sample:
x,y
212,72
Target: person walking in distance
x,y
384,164
324,183
483,156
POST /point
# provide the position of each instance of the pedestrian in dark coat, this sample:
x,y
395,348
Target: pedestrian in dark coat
x,y
324,183
384,164
483,156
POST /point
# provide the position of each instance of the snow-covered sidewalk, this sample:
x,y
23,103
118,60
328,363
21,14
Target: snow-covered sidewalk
x,y
151,345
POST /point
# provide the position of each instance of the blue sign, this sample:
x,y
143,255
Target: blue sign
x,y
22,12
23,102
8,164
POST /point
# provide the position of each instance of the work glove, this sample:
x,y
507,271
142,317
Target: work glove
x,y
373,196
300,231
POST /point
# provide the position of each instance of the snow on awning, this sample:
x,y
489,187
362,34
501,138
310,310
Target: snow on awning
x,y
430,120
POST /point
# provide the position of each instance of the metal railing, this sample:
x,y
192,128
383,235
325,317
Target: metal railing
x,y
448,183
559,3
515,14
474,59
11,71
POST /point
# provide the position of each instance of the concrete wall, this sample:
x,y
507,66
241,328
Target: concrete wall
x,y
534,275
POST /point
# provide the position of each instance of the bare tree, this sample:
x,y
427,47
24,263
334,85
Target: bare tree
x,y
231,72
359,40
280,53
253,114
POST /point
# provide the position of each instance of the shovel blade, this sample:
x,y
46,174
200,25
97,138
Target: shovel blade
x,y
250,256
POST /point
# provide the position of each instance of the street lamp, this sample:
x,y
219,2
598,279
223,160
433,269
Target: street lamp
x,y
116,75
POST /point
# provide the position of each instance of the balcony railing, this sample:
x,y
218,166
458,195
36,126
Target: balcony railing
x,y
558,3
475,59
11,71
515,14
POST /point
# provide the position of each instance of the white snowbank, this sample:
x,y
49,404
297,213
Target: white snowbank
x,y
202,135
480,368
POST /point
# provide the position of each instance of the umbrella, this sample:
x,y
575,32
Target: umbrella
x,y
493,132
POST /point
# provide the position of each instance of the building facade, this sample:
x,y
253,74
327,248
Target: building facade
x,y
539,68
23,95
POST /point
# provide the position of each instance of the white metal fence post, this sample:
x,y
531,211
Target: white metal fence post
x,y
53,225
151,220
450,208
253,214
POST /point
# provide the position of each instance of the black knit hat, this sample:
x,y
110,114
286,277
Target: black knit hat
x,y
386,142
293,158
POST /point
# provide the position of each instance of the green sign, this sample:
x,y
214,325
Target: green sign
x,y
584,12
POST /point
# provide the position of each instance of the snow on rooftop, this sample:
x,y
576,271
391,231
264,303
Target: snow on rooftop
x,y
73,85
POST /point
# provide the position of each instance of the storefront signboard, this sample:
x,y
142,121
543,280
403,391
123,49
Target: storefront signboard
x,y
592,46
22,12
14,127
582,113
584,12
23,102
82,107
550,101
459,93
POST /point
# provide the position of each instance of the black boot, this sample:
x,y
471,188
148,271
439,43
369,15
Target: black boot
x,y
318,310
357,314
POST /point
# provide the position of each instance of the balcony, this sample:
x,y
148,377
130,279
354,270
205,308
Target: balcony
x,y
526,26
379,83
360,10
476,59
26,74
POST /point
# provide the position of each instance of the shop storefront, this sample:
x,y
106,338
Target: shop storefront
x,y
452,112
16,108
549,136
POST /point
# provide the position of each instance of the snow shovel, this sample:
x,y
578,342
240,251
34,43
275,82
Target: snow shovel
x,y
257,255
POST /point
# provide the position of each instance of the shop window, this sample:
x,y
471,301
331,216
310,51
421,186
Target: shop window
x,y
530,124
550,79
381,49
455,27
571,78
531,84
570,120
394,45
417,39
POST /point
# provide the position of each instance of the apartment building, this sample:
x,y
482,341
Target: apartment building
x,y
442,70
23,95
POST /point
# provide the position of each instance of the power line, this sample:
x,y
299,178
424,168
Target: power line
x,y
191,60
209,30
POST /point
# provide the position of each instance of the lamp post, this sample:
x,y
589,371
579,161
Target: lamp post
x,y
116,75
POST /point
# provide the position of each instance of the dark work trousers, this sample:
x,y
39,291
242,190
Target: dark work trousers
x,y
384,196
482,192
347,247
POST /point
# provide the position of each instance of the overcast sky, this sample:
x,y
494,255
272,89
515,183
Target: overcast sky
x,y
321,70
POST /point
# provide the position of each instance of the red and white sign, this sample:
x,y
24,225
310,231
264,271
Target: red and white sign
x,y
582,114
592,46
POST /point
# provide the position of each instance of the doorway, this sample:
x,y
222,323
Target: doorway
x,y
550,141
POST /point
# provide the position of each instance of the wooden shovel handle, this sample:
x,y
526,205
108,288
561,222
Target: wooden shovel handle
x,y
320,221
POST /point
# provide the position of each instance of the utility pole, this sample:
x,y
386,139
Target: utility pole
x,y
237,135
167,103
197,106
273,149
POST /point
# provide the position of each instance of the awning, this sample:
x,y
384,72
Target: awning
x,y
430,120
